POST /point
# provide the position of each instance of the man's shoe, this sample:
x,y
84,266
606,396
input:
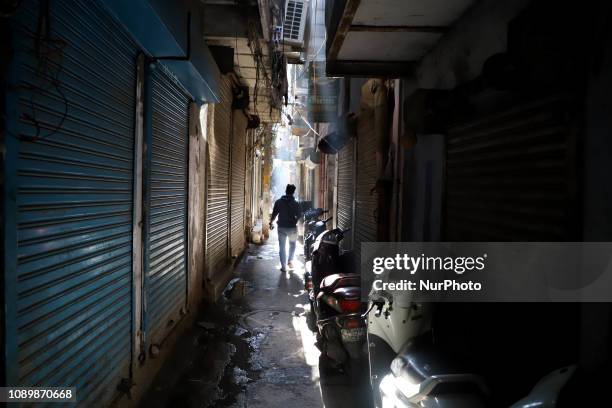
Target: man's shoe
x,y
290,265
283,269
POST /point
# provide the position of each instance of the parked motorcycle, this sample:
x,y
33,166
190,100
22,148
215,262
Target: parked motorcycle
x,y
421,374
334,290
392,323
313,227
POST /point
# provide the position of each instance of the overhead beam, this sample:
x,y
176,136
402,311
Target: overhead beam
x,y
398,29
350,8
388,69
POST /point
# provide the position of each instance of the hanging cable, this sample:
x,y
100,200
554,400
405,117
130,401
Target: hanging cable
x,y
48,72
307,123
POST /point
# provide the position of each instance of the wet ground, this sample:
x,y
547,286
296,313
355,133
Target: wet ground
x,y
253,348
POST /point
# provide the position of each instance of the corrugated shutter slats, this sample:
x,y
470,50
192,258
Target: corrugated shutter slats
x,y
509,175
237,182
365,196
217,213
74,202
166,230
346,179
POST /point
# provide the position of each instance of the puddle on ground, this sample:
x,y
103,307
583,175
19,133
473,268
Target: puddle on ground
x,y
266,254
243,366
224,357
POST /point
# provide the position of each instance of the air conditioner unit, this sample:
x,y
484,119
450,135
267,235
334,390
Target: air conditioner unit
x,y
294,23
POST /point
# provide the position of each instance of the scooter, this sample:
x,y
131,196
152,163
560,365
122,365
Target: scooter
x,y
392,323
421,374
313,227
335,300
424,377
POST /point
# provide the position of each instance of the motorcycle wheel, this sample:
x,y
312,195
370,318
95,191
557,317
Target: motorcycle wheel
x,y
357,372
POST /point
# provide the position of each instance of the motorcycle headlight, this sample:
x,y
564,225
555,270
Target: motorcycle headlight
x,y
401,385
395,391
407,384
404,371
397,365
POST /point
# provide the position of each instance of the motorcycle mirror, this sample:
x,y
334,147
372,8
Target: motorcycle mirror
x,y
378,304
367,312
372,306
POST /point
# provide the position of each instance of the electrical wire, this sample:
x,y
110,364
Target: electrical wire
x,y
45,47
260,64
278,62
307,123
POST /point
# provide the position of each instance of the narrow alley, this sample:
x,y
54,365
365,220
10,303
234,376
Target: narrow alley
x,y
443,165
253,348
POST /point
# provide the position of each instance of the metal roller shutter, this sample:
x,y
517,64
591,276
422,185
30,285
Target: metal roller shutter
x,y
510,176
365,196
69,321
166,202
217,203
345,193
238,160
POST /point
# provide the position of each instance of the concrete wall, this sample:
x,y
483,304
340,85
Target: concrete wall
x,y
248,188
197,194
458,57
478,34
423,182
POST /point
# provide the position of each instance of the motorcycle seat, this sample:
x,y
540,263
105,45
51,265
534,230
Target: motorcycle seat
x,y
332,282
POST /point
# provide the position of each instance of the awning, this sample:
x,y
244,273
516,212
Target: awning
x,y
374,38
160,28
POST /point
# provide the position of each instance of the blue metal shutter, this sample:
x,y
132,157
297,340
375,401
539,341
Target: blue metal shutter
x,y
217,202
166,203
71,276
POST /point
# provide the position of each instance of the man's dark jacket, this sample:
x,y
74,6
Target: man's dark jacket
x,y
288,211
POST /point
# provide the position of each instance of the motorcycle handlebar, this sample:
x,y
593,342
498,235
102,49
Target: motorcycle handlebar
x,y
314,213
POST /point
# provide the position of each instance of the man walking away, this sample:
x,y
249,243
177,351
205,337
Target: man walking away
x,y
289,212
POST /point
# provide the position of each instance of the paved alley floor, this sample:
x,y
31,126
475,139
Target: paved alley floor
x,y
253,348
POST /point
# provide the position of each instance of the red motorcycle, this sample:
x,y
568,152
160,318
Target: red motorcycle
x,y
334,287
